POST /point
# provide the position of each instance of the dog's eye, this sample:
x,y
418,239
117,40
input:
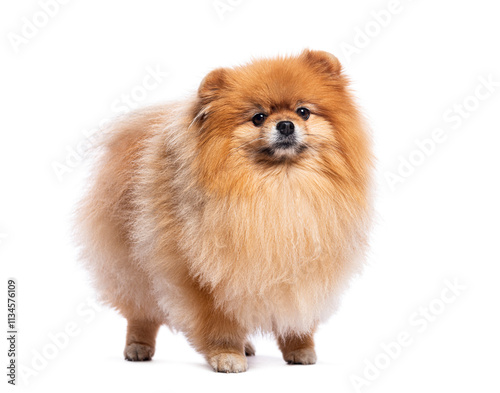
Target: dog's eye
x,y
259,119
304,113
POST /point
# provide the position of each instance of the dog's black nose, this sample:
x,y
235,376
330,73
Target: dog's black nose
x,y
285,127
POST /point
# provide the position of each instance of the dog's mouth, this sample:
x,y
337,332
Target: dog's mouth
x,y
287,148
292,144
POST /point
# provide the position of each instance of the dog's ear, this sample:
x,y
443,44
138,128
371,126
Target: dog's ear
x,y
212,85
322,61
210,89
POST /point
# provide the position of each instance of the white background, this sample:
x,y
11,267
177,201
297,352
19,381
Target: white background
x,y
438,223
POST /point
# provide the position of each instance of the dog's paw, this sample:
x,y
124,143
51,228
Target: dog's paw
x,y
301,356
249,349
228,362
138,352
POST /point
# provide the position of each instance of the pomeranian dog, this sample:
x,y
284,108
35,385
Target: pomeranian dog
x,y
244,209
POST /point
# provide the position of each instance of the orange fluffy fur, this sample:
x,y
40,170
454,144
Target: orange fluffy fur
x,y
190,223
